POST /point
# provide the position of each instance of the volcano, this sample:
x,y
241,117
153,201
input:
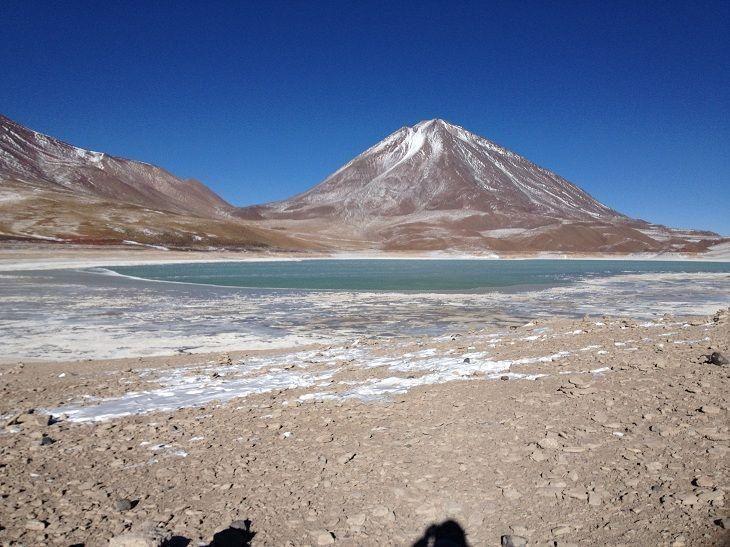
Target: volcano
x,y
437,186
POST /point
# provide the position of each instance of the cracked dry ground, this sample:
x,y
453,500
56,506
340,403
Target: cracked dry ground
x,y
636,456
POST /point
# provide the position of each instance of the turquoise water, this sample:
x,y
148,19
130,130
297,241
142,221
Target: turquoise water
x,y
407,275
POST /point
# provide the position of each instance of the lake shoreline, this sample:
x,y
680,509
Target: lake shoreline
x,y
59,256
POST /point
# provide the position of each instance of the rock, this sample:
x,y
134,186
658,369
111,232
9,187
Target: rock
x,y
664,430
122,504
342,460
504,378
323,537
35,525
380,511
709,409
356,520
513,541
538,456
577,493
715,434
654,466
703,481
594,499
46,440
511,493
723,523
29,418
688,499
548,443
718,359
145,535
561,530
581,382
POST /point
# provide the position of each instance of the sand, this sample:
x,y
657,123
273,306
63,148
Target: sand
x,y
37,256
602,430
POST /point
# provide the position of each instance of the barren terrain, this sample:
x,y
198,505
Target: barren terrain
x,y
602,430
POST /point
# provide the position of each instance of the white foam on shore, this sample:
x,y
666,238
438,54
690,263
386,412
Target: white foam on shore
x,y
189,387
181,391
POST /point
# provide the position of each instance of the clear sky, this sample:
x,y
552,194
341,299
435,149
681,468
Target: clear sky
x,y
261,100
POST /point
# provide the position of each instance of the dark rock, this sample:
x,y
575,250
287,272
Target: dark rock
x,y
46,440
513,541
718,358
122,504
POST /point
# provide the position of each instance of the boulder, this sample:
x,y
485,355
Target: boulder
x,y
145,535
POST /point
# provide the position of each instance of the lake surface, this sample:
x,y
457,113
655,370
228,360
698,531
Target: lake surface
x,y
96,313
470,276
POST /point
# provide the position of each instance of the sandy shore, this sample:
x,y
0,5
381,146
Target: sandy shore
x,y
607,431
37,256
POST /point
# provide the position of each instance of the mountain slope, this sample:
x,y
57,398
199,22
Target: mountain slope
x,y
50,190
438,186
46,162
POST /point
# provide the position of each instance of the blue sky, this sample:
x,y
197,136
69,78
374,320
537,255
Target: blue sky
x,y
261,100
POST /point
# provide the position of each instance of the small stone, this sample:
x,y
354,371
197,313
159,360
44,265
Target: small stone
x,y
538,456
723,523
718,359
580,382
664,430
654,466
511,493
356,520
35,525
144,535
46,440
561,530
548,443
703,481
122,504
342,460
513,541
594,499
709,409
578,494
688,499
519,531
504,378
711,496
323,537
380,511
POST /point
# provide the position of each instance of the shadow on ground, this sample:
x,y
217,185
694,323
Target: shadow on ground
x,y
447,534
238,534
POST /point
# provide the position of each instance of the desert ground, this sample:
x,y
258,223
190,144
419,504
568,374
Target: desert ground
x,y
603,430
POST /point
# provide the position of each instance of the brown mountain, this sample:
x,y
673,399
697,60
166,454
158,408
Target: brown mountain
x,y
433,186
437,186
51,190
